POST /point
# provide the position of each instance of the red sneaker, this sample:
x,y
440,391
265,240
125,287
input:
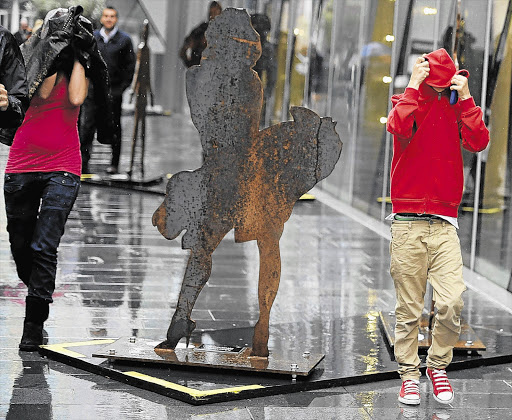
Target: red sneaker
x,y
443,391
410,392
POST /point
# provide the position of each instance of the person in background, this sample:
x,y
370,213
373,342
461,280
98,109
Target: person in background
x,y
426,190
117,50
42,176
24,32
195,42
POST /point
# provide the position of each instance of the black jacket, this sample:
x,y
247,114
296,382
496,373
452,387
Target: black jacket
x,y
12,76
48,50
120,58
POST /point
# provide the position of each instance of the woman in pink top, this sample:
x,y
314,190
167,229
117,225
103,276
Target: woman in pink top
x,y
42,179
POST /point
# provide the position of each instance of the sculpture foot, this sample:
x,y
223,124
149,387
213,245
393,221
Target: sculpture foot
x,y
259,351
177,330
260,339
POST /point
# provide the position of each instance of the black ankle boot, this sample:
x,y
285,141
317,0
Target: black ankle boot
x,y
36,312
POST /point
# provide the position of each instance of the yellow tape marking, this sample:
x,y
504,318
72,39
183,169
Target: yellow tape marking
x,y
307,196
62,348
192,392
493,210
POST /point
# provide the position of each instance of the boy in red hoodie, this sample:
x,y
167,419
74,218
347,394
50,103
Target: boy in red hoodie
x,y
426,190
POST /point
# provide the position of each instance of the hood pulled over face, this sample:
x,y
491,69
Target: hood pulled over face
x,y
442,69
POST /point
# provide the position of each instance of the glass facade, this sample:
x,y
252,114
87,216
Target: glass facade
x,y
344,58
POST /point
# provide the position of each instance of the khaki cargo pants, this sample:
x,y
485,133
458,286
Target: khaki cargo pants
x,y
421,251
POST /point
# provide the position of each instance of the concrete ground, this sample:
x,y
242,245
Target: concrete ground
x,y
118,276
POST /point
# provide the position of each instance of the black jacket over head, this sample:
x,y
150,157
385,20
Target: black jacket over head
x,y
12,76
64,35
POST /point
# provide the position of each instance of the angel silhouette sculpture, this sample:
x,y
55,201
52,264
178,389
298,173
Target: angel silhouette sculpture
x,y
249,180
141,91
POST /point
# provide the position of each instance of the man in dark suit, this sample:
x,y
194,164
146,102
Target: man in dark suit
x,y
117,50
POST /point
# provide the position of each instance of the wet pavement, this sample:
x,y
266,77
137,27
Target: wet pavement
x,y
118,277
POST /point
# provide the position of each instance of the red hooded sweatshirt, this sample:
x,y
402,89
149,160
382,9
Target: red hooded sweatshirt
x,y
427,168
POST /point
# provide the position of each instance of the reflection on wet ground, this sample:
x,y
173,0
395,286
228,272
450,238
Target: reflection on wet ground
x,y
118,277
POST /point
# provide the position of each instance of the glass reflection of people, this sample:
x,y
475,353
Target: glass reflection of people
x,y
111,278
468,58
195,42
426,191
266,66
42,178
31,385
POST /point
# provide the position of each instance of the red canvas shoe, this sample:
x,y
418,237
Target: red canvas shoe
x,y
443,391
410,392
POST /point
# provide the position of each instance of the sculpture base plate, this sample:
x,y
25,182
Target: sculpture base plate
x,y
468,340
356,351
209,356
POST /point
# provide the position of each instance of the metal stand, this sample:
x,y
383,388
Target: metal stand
x,y
210,356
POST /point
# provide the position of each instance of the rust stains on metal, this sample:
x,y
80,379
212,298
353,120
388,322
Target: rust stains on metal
x,y
249,180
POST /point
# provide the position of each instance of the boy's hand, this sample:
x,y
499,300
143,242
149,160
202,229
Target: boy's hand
x,y
4,99
460,84
420,72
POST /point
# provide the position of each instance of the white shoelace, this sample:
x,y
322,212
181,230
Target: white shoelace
x,y
411,387
440,380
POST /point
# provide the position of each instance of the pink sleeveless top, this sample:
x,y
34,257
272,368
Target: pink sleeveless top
x,y
47,140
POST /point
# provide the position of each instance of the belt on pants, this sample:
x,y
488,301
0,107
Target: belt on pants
x,y
410,217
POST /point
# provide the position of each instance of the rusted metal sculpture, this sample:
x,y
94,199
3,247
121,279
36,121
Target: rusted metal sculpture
x,y
249,180
141,91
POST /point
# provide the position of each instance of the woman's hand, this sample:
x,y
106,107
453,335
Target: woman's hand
x,y
420,71
460,84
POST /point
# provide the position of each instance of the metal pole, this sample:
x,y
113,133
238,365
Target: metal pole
x,y
332,58
277,9
436,25
355,102
292,12
154,27
388,134
312,34
483,105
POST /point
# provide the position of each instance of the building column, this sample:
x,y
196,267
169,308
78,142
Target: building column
x,y
172,92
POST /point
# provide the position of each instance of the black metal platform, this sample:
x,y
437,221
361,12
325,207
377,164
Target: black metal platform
x,y
356,352
468,340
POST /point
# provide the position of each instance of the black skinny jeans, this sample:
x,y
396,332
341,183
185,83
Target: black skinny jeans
x,y
37,206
